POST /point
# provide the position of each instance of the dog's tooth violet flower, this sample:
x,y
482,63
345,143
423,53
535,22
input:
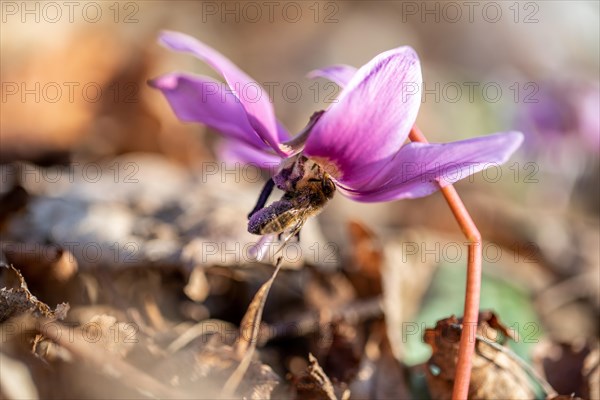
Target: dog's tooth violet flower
x,y
360,140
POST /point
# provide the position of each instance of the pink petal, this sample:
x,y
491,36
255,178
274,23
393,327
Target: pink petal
x,y
282,133
420,169
360,133
340,74
252,96
234,152
201,99
589,118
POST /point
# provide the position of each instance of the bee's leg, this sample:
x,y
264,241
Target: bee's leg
x,y
294,232
264,196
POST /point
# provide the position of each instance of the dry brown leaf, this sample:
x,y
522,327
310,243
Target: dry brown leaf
x,y
249,330
17,300
568,367
204,367
316,385
496,374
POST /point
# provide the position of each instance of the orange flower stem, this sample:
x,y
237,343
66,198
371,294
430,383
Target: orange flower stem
x,y
473,290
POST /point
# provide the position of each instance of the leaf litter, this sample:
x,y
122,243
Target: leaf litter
x,y
326,338
161,314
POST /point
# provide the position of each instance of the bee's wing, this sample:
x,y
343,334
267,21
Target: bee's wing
x,y
297,214
300,215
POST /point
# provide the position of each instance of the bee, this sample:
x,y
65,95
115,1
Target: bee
x,y
307,188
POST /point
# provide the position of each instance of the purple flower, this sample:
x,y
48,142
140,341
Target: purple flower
x,y
360,140
563,118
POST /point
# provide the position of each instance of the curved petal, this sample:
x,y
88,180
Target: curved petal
x,y
201,99
282,132
233,152
360,133
421,169
340,74
252,96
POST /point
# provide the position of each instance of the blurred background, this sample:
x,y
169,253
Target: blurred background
x,y
96,166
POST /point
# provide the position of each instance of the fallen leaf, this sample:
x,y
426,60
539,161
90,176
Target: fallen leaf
x,y
562,364
316,385
496,373
249,330
16,301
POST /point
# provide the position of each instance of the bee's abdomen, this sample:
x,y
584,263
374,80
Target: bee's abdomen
x,y
275,218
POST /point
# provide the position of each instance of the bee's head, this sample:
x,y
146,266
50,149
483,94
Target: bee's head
x,y
328,187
